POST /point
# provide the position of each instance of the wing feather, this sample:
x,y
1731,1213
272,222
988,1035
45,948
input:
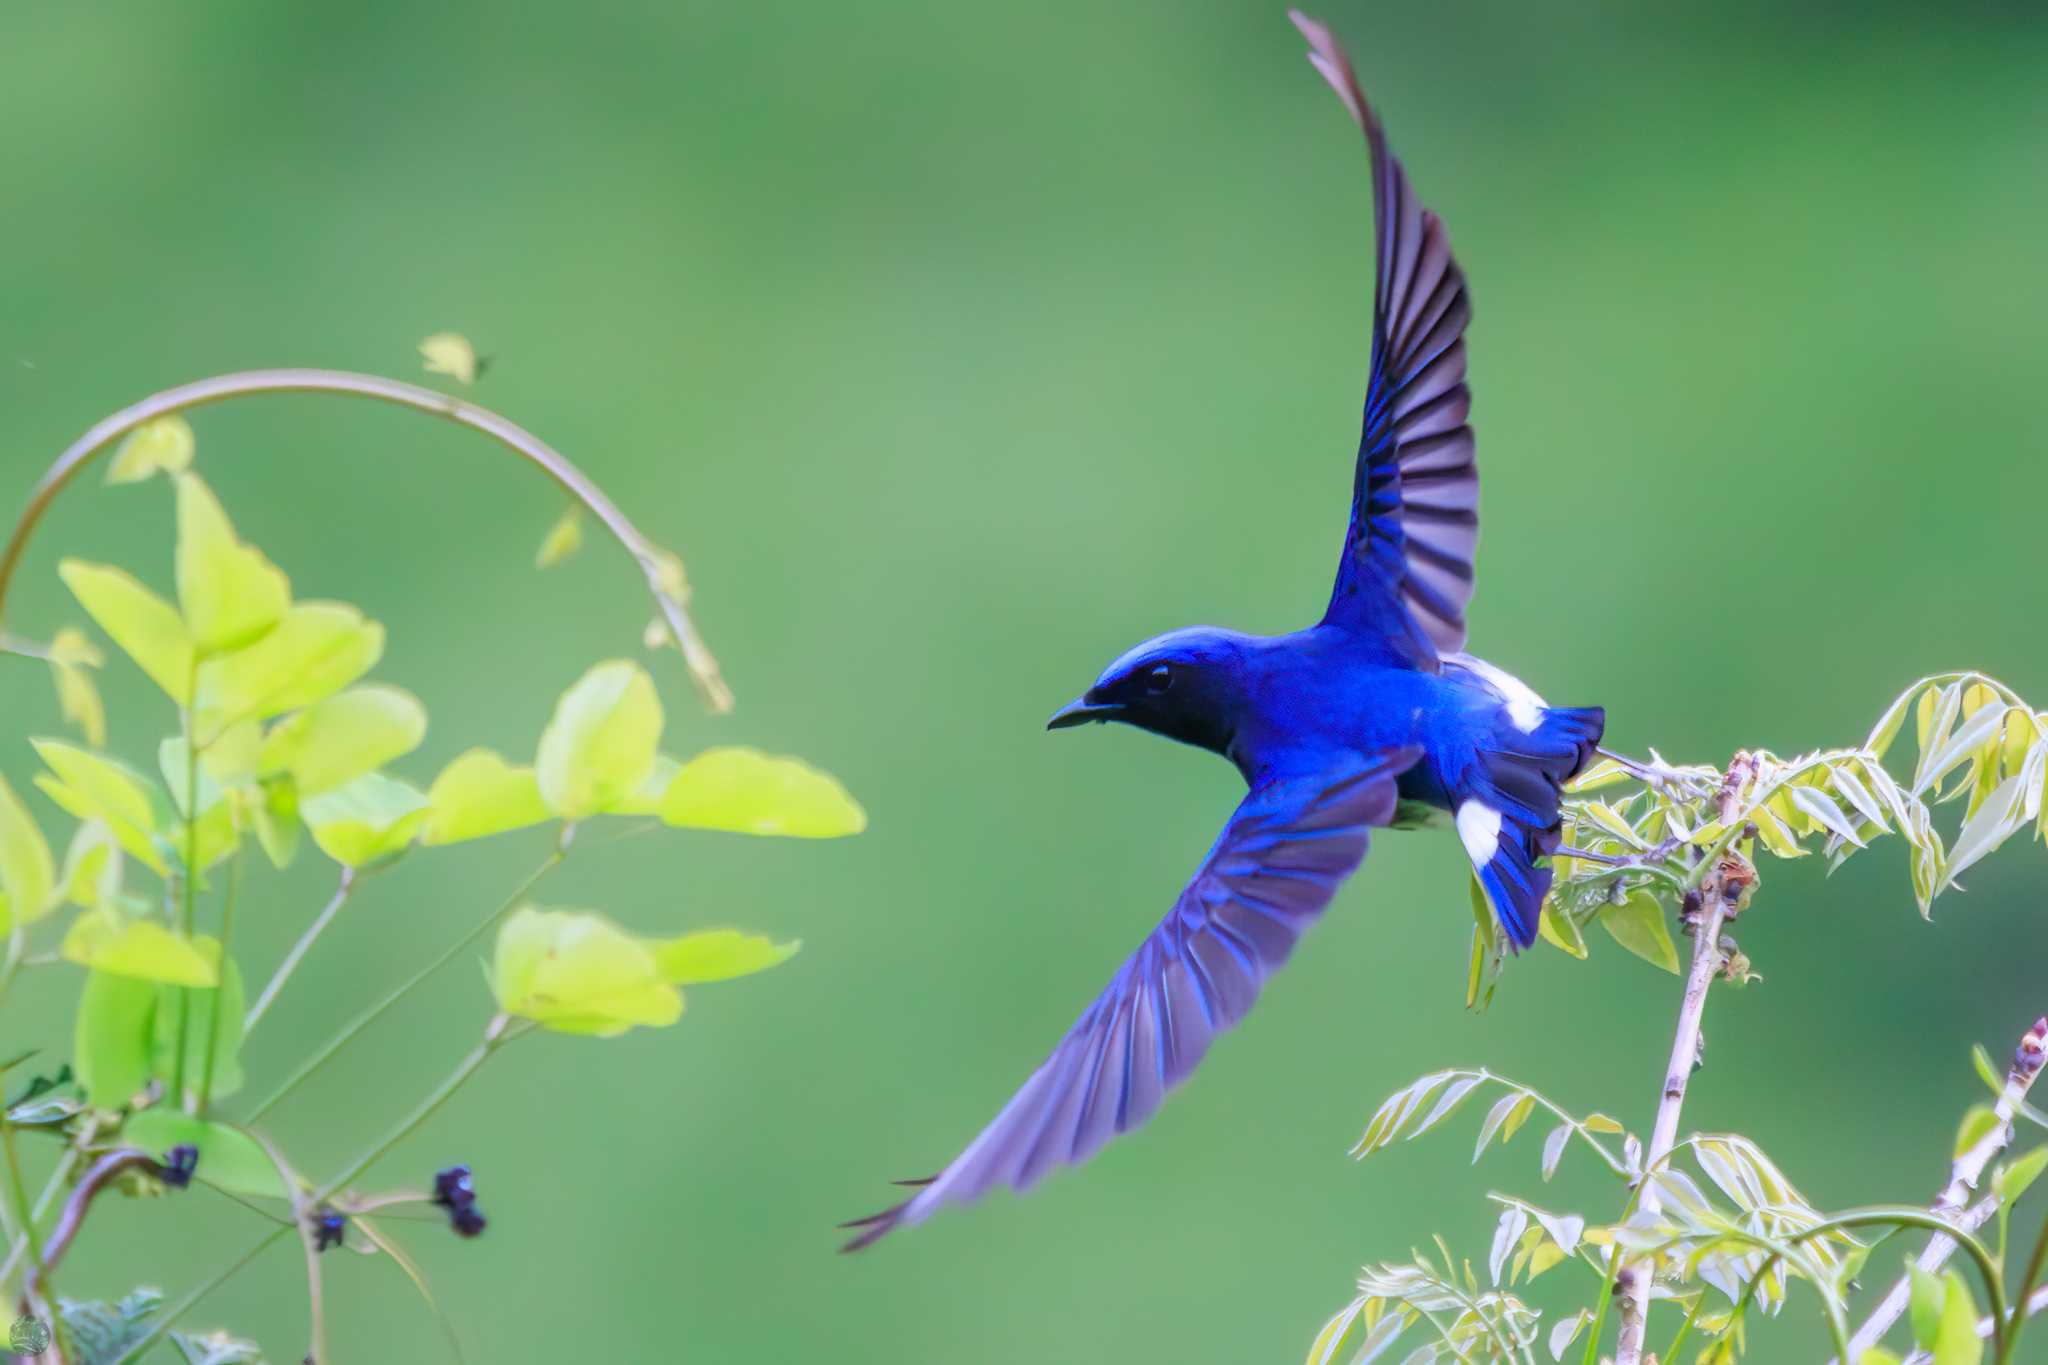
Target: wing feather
x,y
1407,566
1269,876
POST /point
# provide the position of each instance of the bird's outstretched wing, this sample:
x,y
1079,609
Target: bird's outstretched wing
x,y
1407,566
1271,872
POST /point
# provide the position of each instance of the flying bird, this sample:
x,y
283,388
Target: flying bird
x,y
1372,717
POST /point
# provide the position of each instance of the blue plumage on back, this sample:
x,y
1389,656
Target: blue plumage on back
x,y
1362,720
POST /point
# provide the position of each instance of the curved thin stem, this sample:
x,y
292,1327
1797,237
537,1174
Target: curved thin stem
x,y
227,940
405,988
299,950
661,569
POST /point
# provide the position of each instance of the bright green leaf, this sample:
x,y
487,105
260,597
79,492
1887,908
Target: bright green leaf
x,y
2016,1175
112,1041
315,651
1877,1355
1637,924
366,820
108,941
228,1157
1978,1120
563,539
481,794
719,955
1955,1339
230,594
599,746
92,867
72,656
94,787
28,872
147,628
577,972
1925,1305
749,792
343,737
1562,931
276,817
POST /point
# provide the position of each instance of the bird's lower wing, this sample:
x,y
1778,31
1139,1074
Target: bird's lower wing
x,y
1272,870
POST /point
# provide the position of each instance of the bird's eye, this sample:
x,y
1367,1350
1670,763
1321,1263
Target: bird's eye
x,y
1158,679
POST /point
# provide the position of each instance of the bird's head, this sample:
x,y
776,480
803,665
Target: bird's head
x,y
1187,685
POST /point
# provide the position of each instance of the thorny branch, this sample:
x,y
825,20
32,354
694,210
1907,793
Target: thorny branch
x,y
1968,1170
1722,891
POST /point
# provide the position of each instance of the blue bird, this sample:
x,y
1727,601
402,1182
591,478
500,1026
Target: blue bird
x,y
1371,717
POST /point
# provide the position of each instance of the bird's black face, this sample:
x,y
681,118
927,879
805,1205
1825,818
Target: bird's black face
x,y
1181,686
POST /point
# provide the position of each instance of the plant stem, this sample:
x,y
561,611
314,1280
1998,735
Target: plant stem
x,y
227,938
370,1016
188,886
1633,1283
55,1183
495,1037
299,950
170,1316
2025,1298
662,572
1951,1206
17,1195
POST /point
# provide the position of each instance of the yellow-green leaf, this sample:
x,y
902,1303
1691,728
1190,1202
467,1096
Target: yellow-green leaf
x,y
92,867
108,941
147,628
111,1042
1561,931
164,443
646,800
599,746
1955,1339
1928,1293
749,792
231,595
1977,1121
563,539
577,972
366,820
481,794
343,737
78,696
719,955
450,353
1637,924
315,651
28,873
276,817
94,787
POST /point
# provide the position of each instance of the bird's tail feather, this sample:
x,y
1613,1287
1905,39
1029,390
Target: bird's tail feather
x,y
1508,814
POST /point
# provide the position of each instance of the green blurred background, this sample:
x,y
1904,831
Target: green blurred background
x,y
957,348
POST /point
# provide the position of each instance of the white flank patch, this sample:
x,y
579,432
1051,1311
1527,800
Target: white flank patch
x,y
1479,828
1525,708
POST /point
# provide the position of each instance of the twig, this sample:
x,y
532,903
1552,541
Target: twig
x,y
1953,1202
661,570
300,949
1720,891
96,1178
2035,1304
405,988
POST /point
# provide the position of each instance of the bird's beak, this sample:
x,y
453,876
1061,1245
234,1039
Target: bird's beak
x,y
1080,711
